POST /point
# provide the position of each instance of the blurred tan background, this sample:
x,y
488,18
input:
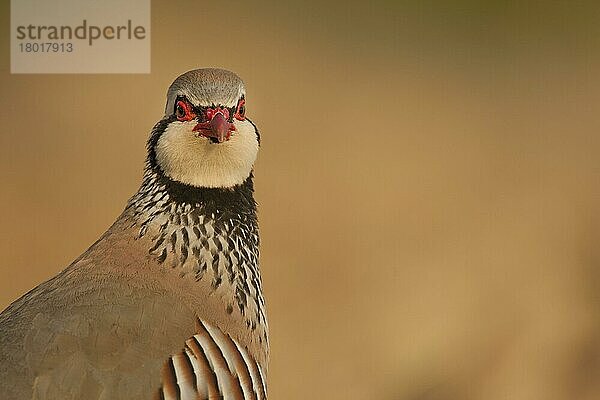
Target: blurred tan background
x,y
428,185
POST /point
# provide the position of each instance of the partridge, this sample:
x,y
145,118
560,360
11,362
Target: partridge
x,y
167,304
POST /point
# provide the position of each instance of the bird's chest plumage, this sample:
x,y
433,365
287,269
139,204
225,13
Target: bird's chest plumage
x,y
216,247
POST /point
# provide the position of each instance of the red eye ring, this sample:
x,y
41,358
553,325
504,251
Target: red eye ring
x,y
240,112
183,111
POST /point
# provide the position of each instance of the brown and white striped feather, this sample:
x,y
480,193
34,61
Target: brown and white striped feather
x,y
212,365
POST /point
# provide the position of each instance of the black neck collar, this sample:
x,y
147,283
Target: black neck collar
x,y
238,199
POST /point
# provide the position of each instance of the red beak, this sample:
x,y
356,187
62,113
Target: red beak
x,y
217,128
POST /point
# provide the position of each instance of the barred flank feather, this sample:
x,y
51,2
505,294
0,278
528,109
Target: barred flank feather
x,y
212,366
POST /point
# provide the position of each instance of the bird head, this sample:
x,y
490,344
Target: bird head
x,y
204,138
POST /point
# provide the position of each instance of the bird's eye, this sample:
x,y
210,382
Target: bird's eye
x,y
240,113
183,111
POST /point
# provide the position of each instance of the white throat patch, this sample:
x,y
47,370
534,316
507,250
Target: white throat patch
x,y
187,158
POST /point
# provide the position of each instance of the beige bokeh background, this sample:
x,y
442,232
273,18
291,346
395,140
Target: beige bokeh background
x,y
428,185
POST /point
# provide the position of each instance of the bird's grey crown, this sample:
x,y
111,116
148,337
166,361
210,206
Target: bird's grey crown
x,y
205,87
